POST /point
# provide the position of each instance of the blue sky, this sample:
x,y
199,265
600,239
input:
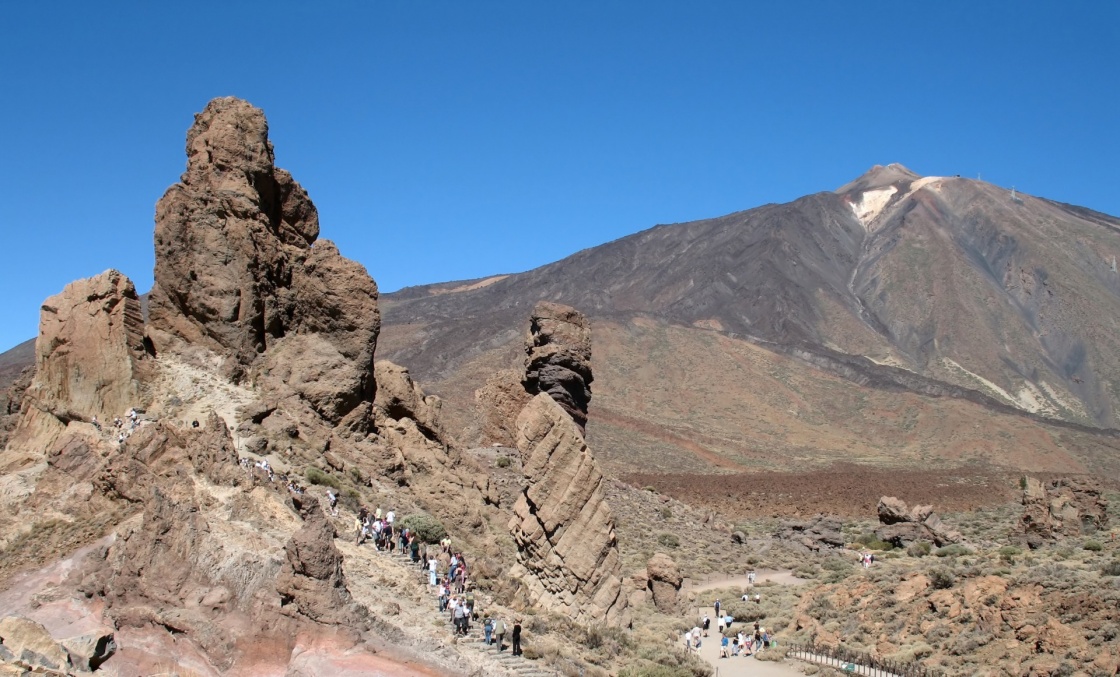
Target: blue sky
x,y
448,140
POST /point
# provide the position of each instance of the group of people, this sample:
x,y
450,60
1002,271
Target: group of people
x,y
494,632
118,424
379,526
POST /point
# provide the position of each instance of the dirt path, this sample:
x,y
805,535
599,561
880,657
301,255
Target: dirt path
x,y
741,666
779,577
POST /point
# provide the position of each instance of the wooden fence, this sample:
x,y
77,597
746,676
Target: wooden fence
x,y
856,662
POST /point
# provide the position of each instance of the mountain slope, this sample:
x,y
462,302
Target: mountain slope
x,y
1009,298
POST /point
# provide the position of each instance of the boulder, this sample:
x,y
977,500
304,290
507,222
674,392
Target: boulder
x,y
399,397
566,548
1060,508
498,402
32,647
902,525
815,535
558,358
664,583
312,581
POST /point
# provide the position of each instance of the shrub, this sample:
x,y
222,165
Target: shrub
x,y
666,513
919,548
953,550
503,462
1094,546
1112,568
669,540
650,490
1008,553
425,526
316,476
942,579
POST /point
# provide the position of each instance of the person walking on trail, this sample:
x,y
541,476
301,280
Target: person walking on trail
x,y
707,624
717,607
516,637
499,633
488,630
723,651
750,578
432,571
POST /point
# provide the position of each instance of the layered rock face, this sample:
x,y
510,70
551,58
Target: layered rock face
x,y
820,533
567,552
498,403
239,271
902,526
1059,508
399,397
91,358
558,358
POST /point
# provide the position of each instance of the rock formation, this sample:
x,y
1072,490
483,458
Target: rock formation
x,y
820,533
901,526
239,271
498,403
664,580
399,397
567,554
1059,508
558,358
90,358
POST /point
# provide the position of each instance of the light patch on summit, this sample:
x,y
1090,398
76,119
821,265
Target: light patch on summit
x,y
871,203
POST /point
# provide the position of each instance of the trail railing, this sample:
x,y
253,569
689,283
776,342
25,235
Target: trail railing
x,y
856,662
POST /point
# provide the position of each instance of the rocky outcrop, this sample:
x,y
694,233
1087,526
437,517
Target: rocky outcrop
x,y
901,526
664,580
820,533
90,358
1059,508
239,271
399,397
498,403
11,401
312,580
558,358
567,554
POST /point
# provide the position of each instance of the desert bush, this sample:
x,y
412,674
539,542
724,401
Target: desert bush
x,y
652,490
425,526
1094,546
666,513
503,462
1112,568
669,540
952,550
919,548
316,476
942,579
1008,553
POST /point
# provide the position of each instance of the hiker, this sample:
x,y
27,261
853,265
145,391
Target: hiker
x,y
443,593
95,423
707,623
517,637
460,617
717,607
757,598
500,632
723,653
332,500
750,578
488,630
432,571
727,620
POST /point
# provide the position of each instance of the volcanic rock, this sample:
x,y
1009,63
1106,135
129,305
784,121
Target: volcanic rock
x,y
498,403
399,397
91,358
238,270
1059,508
312,578
558,358
664,583
902,526
567,553
820,533
31,647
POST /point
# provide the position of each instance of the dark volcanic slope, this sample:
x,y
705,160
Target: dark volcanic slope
x,y
953,279
13,361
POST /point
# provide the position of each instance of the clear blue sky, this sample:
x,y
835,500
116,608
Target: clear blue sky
x,y
448,140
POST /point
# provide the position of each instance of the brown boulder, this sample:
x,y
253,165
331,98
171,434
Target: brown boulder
x,y
820,533
399,397
1061,507
32,647
312,580
664,583
566,547
902,525
558,358
498,403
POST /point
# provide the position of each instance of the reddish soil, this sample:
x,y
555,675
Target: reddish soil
x,y
843,489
